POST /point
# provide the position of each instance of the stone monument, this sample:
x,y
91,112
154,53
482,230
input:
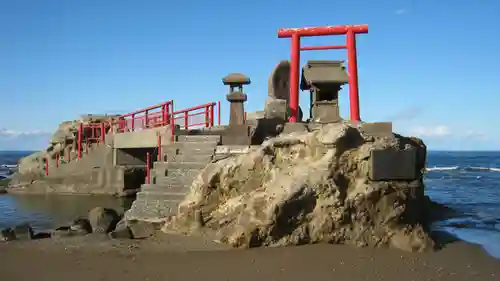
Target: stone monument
x,y
324,79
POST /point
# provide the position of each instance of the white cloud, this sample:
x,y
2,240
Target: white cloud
x,y
399,12
23,140
431,131
9,133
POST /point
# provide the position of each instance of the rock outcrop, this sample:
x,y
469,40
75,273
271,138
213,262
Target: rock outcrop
x,y
58,169
62,142
103,220
310,187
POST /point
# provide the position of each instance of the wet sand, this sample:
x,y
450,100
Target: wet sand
x,y
177,258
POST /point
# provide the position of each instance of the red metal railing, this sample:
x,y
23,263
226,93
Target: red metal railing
x,y
153,116
197,116
93,133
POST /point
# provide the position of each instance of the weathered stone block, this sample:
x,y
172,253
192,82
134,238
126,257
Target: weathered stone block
x,y
276,108
294,128
255,115
237,135
326,112
377,129
392,164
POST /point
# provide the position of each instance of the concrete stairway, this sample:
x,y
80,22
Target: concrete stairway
x,y
171,179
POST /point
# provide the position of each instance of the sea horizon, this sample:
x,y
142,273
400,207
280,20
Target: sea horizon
x,y
428,150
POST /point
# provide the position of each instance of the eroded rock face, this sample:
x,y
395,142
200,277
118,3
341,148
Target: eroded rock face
x,y
309,187
62,142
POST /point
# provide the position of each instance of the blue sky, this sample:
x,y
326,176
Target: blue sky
x,y
428,66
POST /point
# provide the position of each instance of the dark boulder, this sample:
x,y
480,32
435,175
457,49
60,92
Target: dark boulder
x,y
42,235
103,220
63,231
19,232
81,226
23,232
141,229
122,231
7,234
133,230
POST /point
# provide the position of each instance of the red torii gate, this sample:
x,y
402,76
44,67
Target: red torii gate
x,y
352,65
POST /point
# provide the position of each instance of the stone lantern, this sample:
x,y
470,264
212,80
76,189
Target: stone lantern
x,y
236,97
238,132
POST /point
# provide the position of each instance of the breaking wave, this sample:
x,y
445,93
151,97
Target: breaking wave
x,y
458,168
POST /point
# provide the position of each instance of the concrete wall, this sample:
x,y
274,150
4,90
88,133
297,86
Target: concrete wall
x,y
94,173
116,181
133,156
141,139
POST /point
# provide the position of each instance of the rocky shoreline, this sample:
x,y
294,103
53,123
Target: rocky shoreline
x,y
100,221
176,257
103,246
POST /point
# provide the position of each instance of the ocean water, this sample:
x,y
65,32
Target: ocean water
x,y
44,212
468,182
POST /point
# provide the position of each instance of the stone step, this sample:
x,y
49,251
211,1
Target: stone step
x,y
166,188
199,138
151,210
165,196
179,165
158,173
202,158
187,173
189,150
175,171
195,146
173,181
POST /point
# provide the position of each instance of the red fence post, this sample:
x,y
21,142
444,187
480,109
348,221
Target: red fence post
x,y
218,112
186,120
167,114
79,140
207,116
148,175
171,113
159,148
133,123
46,166
212,108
